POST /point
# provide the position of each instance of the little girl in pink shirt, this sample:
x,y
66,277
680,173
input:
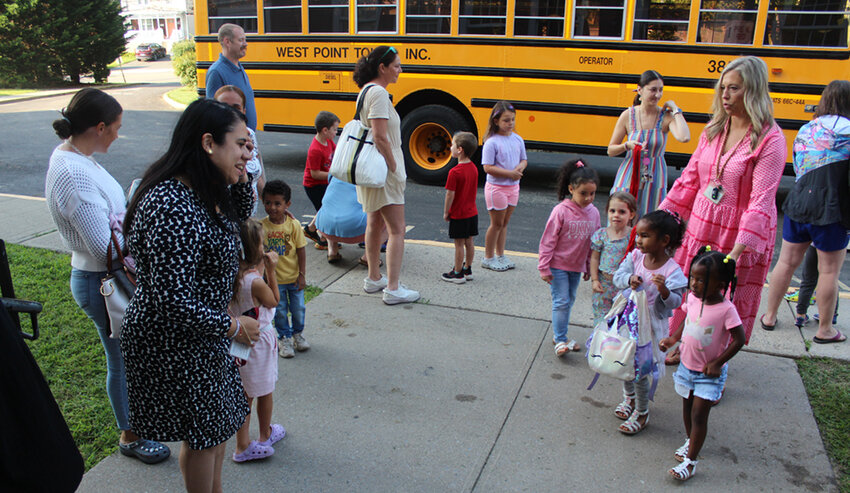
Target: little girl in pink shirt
x,y
565,245
711,335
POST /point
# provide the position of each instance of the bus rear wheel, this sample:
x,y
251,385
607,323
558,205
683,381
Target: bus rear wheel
x,y
426,135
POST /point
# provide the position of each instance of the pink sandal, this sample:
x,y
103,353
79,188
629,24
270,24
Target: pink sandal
x,y
255,451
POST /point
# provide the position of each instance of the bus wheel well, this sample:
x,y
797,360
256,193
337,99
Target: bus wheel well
x,y
432,96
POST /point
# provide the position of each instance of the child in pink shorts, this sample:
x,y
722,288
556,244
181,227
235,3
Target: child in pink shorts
x,y
504,160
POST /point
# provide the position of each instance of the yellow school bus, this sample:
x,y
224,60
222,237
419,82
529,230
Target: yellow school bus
x,y
568,66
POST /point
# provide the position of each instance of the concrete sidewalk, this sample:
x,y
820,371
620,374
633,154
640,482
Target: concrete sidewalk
x,y
462,392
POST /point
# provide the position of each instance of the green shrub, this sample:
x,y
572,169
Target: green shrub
x,y
183,60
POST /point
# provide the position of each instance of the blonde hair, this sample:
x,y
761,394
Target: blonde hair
x,y
251,235
757,102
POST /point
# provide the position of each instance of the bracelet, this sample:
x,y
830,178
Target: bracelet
x,y
678,112
238,327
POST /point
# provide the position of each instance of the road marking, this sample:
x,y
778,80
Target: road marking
x,y
25,197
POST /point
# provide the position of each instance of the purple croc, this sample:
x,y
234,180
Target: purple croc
x,y
276,435
255,451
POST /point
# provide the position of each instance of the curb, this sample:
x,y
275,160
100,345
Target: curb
x,y
174,104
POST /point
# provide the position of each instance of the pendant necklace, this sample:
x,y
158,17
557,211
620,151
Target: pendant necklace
x,y
714,191
645,175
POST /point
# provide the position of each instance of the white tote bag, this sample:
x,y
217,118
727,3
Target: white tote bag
x,y
611,349
356,160
117,288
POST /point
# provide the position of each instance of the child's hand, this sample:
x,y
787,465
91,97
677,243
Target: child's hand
x,y
712,369
547,278
586,276
635,281
516,175
300,283
597,287
659,282
445,216
666,343
271,258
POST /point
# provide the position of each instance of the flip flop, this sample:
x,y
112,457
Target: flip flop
x,y
839,337
764,325
332,259
362,261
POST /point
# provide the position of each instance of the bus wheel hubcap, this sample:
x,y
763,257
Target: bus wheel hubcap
x,y
430,146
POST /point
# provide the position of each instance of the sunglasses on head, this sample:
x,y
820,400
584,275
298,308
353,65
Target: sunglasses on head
x,y
391,49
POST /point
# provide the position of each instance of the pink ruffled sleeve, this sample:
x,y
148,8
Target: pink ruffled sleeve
x,y
681,196
760,215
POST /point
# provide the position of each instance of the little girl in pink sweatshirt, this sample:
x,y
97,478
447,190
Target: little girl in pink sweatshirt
x,y
565,245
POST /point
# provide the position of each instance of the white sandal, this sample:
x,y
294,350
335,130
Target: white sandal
x,y
682,472
624,409
681,453
631,425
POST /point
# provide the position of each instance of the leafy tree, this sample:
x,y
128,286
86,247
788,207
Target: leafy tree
x,y
183,60
43,41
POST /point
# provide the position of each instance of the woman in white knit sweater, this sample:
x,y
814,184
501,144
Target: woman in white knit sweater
x,y
86,204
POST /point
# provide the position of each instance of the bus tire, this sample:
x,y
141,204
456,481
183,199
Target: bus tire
x,y
426,136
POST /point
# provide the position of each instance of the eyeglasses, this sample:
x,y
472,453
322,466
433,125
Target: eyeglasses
x,y
391,49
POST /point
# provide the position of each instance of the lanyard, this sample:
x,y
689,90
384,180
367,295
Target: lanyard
x,y
718,170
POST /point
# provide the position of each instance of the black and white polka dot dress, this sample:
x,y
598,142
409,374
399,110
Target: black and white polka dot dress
x,y
181,382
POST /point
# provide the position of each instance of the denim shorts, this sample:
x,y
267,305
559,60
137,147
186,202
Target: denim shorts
x,y
707,388
829,238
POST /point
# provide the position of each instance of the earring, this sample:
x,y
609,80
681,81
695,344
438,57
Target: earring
x,y
209,151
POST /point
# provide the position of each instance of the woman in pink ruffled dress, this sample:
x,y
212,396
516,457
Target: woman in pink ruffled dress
x,y
727,192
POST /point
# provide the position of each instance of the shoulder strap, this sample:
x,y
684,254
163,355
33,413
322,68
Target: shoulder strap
x,y
632,114
361,97
660,119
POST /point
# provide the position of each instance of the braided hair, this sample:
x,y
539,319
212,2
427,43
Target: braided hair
x,y
716,263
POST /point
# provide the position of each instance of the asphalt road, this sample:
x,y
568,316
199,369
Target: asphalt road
x,y
148,121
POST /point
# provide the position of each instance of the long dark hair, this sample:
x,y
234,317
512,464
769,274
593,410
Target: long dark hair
x,y
575,172
646,78
186,157
87,108
493,124
367,66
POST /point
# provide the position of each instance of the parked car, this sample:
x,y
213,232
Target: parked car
x,y
150,51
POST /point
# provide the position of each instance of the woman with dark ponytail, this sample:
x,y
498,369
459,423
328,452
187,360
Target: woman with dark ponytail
x,y
383,206
646,125
87,205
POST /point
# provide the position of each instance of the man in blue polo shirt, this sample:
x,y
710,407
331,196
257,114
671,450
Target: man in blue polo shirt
x,y
228,71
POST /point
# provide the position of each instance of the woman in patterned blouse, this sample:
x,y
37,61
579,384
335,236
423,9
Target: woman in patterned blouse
x,y
181,227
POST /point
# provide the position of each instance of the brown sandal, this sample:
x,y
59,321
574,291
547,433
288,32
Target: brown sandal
x,y
362,261
335,258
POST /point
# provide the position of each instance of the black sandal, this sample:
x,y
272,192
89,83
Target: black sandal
x,y
147,451
764,325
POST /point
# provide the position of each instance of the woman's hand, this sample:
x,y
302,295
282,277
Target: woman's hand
x,y
597,287
270,258
670,106
249,332
630,144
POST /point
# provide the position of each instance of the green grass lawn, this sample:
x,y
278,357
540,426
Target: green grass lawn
x,y
828,385
184,95
15,92
69,351
126,58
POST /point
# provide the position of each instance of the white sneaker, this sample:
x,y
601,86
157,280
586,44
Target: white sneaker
x,y
493,264
300,343
285,348
400,295
371,286
507,263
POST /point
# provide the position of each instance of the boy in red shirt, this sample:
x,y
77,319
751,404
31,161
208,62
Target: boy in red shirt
x,y
460,209
319,158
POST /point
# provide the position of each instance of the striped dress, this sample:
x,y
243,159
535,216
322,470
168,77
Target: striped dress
x,y
746,213
653,183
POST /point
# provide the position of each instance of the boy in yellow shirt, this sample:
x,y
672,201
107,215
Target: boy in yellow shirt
x,y
283,235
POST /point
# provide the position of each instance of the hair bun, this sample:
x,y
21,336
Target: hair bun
x,y
62,127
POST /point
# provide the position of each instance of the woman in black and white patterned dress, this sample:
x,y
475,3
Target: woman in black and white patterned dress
x,y
181,229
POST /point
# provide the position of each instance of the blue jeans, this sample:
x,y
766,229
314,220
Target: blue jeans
x,y
291,301
85,287
564,286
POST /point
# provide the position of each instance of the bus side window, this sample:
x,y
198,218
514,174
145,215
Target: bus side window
x,y
823,25
727,22
599,18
